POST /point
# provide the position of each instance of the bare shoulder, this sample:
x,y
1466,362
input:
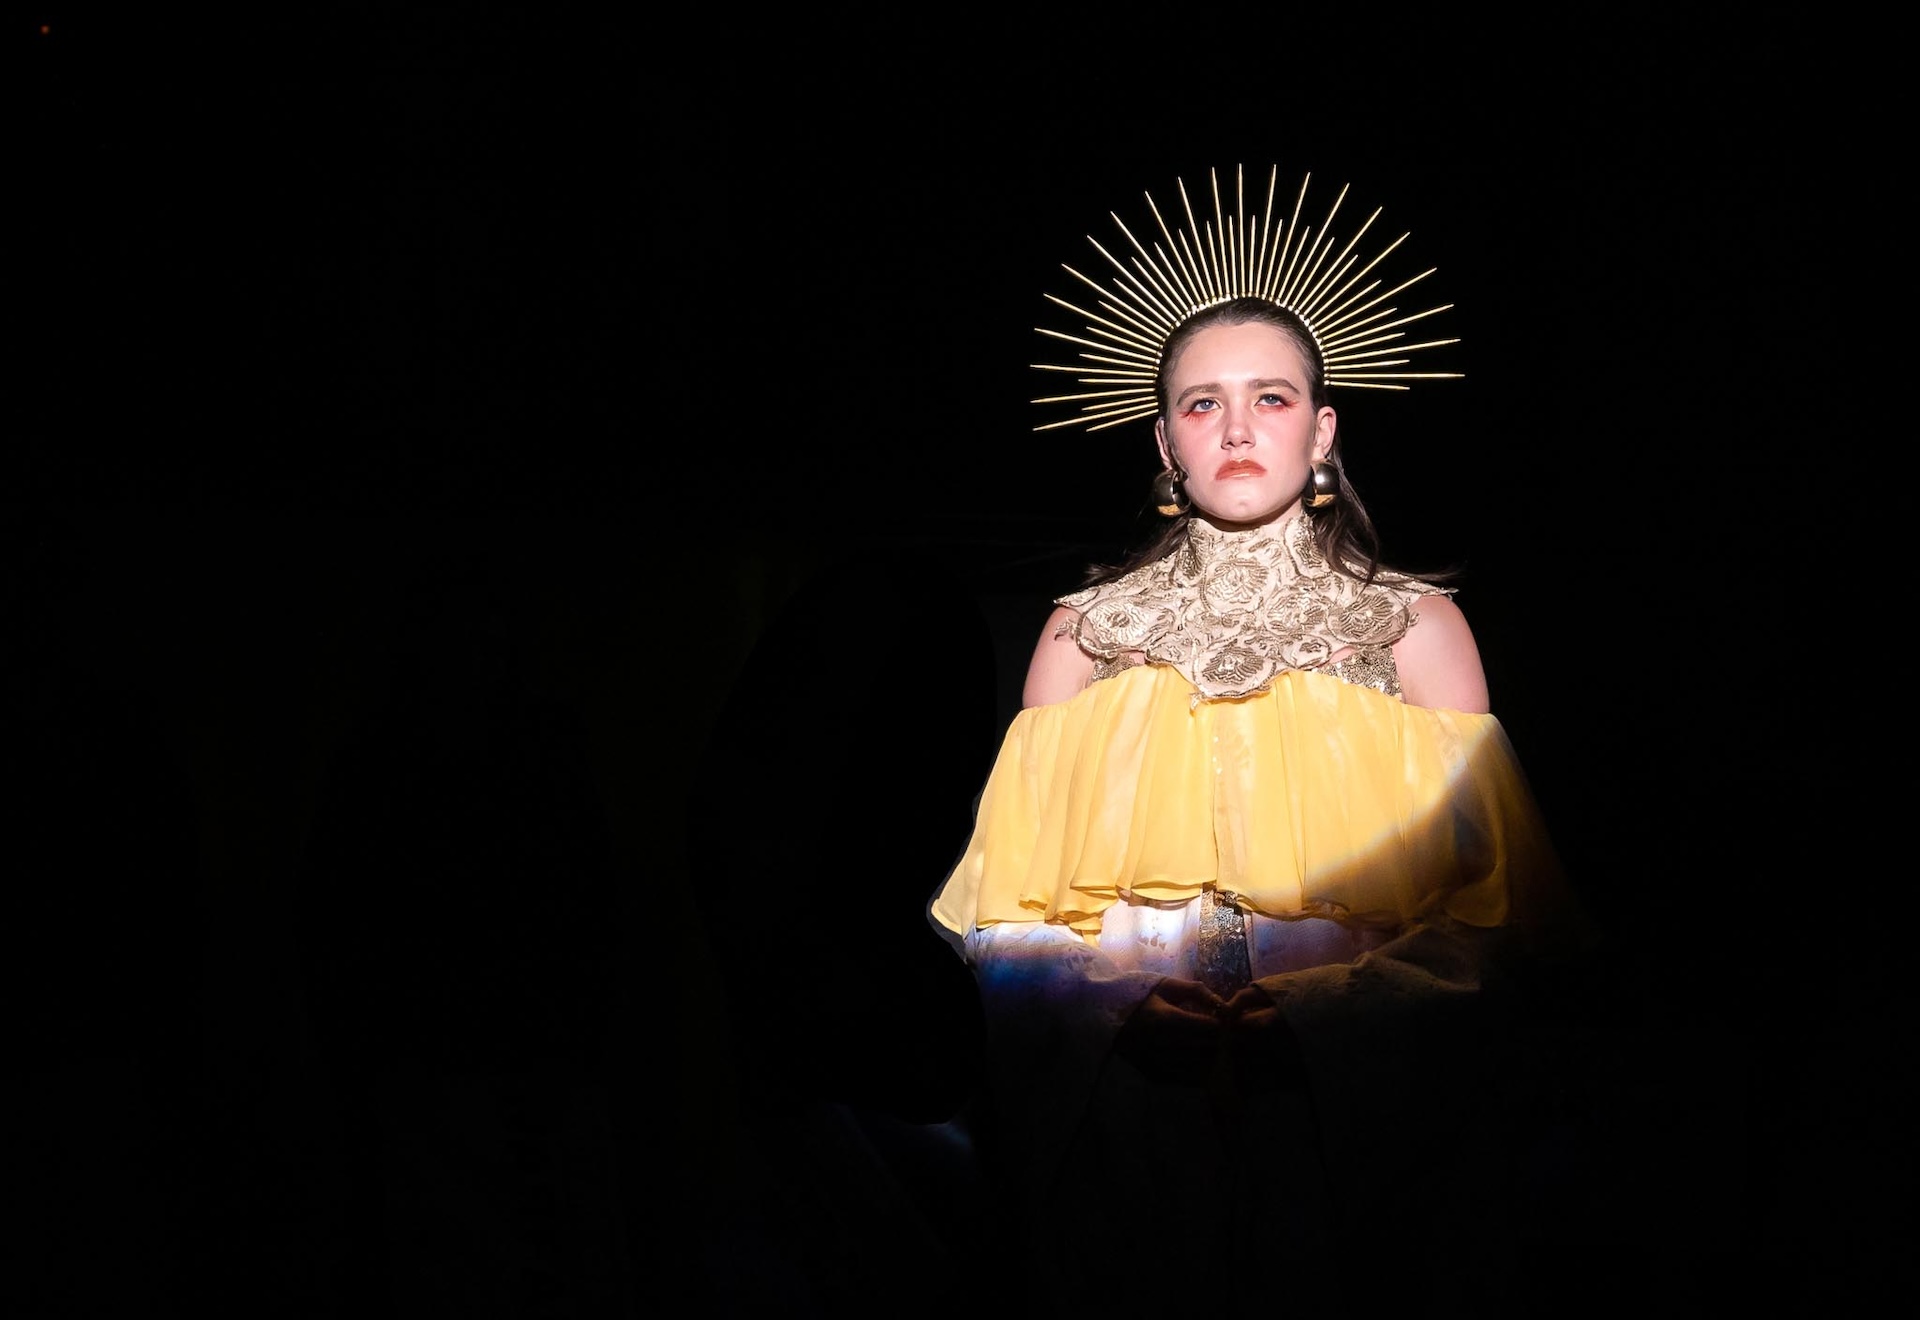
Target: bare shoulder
x,y
1439,661
1059,668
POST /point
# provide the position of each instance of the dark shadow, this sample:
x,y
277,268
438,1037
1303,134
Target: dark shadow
x,y
105,924
456,930
831,799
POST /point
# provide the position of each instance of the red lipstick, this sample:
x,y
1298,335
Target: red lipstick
x,y
1238,467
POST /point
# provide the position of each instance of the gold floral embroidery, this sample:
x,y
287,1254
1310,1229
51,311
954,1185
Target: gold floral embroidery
x,y
1230,609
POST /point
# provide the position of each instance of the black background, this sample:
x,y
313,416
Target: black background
x,y
420,419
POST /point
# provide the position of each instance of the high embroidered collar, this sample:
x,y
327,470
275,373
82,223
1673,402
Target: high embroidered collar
x,y
1230,608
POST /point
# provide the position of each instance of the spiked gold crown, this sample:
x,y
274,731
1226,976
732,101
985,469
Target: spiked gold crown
x,y
1232,256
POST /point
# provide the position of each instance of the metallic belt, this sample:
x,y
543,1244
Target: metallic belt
x,y
1225,966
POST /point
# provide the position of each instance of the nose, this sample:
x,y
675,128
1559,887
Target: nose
x,y
1238,431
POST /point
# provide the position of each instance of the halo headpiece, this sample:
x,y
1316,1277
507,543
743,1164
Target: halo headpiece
x,y
1231,256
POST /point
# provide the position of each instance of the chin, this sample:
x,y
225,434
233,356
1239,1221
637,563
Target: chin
x,y
1245,514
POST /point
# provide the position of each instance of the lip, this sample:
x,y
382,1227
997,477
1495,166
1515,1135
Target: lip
x,y
1239,467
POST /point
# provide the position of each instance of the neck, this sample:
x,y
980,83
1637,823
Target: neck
x,y
1229,526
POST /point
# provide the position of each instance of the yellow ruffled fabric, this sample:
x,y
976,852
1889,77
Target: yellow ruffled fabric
x,y
1315,797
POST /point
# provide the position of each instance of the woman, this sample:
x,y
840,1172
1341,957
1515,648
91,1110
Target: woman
x,y
1255,866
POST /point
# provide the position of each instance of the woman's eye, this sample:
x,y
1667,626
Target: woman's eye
x,y
1274,401
1200,406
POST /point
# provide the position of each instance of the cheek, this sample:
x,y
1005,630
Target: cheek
x,y
1186,434
1304,440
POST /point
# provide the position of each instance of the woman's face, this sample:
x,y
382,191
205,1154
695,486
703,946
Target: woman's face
x,y
1241,423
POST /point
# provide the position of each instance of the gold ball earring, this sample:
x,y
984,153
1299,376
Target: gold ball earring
x,y
1323,486
1168,498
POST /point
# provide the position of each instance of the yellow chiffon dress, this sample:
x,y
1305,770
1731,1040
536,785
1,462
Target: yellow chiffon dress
x,y
1243,774
1311,798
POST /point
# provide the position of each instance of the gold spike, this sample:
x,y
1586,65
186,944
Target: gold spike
x,y
1358,331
